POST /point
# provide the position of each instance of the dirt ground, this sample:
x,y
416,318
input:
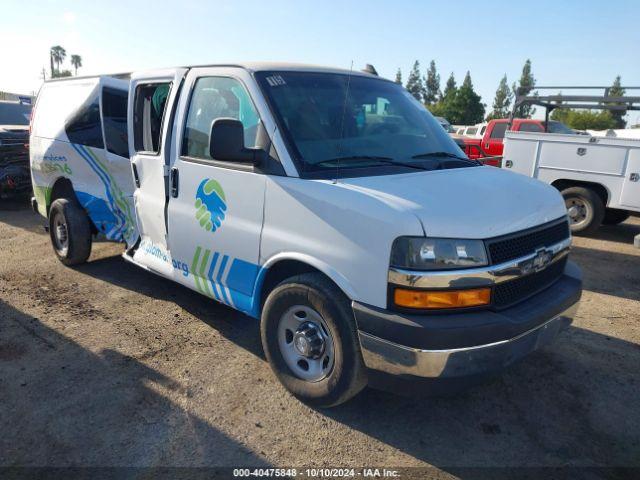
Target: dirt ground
x,y
106,364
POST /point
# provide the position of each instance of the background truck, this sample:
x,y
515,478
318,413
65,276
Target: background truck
x,y
15,178
491,144
599,177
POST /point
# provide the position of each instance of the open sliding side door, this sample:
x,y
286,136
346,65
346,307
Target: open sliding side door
x,y
152,100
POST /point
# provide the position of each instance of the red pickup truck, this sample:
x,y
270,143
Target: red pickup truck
x,y
492,142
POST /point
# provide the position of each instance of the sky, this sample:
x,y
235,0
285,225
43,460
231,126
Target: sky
x,y
569,42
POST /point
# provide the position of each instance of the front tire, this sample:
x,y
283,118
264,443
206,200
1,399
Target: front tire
x,y
585,209
70,232
311,342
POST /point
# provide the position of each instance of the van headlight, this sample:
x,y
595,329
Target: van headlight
x,y
420,253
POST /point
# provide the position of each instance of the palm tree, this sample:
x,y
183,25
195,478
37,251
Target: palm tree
x,y
76,61
58,54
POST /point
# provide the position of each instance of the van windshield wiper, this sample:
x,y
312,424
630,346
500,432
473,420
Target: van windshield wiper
x,y
440,154
384,160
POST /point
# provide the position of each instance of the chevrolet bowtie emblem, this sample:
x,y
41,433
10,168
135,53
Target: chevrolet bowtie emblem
x,y
542,259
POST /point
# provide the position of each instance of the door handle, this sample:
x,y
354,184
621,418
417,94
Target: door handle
x,y
174,181
634,177
136,178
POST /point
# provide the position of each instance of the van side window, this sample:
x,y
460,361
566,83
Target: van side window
x,y
217,97
148,113
83,126
499,130
114,114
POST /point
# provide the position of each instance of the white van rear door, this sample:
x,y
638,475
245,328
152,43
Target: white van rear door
x,y
152,99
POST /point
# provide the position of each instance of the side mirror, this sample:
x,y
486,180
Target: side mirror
x,y
226,143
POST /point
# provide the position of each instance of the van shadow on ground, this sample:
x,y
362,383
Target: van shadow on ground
x,y
17,213
611,273
63,405
574,403
570,404
230,323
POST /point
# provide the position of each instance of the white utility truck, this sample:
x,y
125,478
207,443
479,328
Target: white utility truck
x,y
327,203
599,177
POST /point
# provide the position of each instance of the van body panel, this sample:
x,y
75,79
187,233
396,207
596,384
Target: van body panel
x,y
493,201
337,226
101,181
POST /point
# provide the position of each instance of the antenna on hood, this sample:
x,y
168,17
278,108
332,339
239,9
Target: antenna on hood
x,y
344,112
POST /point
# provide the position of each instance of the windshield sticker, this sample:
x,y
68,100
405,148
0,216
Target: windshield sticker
x,y
276,81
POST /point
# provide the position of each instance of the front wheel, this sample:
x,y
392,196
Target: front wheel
x,y
311,342
585,209
70,232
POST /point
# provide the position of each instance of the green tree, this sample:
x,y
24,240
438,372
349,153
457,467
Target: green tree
x,y
584,119
432,85
525,86
398,77
616,90
414,83
466,107
450,87
446,105
58,54
76,61
502,101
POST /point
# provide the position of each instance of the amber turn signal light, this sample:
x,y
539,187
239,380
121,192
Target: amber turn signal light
x,y
442,298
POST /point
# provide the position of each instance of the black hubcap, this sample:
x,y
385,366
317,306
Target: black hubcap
x,y
308,341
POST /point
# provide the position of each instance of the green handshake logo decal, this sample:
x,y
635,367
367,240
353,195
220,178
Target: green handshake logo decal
x,y
210,205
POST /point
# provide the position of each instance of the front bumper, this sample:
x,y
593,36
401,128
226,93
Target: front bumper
x,y
465,344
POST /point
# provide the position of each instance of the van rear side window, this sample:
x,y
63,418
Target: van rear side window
x,y
114,113
148,113
83,126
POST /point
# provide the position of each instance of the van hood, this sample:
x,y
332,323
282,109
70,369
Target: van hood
x,y
475,202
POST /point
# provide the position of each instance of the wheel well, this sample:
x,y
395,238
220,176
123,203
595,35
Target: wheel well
x,y
63,188
602,192
281,271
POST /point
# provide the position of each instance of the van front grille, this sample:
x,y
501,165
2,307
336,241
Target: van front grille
x,y
516,245
509,293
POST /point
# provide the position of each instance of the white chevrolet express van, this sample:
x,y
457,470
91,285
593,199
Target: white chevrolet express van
x,y
327,203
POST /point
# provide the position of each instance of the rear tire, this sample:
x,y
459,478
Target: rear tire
x,y
70,232
311,342
613,216
585,209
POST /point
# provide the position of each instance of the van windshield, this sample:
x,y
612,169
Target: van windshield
x,y
352,121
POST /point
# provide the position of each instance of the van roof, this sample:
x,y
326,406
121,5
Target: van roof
x,y
120,76
287,66
250,66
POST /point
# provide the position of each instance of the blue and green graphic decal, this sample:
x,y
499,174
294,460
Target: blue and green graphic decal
x,y
210,204
113,216
228,280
